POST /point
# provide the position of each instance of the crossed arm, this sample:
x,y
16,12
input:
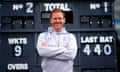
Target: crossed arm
x,y
54,52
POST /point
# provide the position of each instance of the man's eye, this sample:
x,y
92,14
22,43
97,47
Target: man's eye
x,y
60,18
55,18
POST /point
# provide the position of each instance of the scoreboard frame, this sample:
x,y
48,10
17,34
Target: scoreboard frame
x,y
92,22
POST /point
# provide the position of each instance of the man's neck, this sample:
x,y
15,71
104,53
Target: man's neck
x,y
57,30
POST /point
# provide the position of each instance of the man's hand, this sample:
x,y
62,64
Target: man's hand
x,y
44,44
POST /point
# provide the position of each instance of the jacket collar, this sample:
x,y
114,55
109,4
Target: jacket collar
x,y
50,29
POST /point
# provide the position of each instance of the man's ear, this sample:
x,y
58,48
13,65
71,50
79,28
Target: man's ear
x,y
50,20
64,20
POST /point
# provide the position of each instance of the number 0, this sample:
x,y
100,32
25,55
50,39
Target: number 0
x,y
107,49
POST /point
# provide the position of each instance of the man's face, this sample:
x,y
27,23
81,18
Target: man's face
x,y
57,20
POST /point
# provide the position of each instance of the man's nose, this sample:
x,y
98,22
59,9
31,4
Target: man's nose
x,y
57,19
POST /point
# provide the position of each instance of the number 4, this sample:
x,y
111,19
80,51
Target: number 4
x,y
87,49
97,49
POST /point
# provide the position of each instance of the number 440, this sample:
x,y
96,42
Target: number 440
x,y
97,49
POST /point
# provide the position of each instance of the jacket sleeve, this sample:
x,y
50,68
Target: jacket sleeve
x,y
47,51
70,52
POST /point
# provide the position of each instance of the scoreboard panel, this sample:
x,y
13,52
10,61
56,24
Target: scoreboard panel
x,y
18,51
92,22
91,14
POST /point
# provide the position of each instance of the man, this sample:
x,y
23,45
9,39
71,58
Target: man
x,y
57,47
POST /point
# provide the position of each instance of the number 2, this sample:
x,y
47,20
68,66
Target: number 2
x,y
29,7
